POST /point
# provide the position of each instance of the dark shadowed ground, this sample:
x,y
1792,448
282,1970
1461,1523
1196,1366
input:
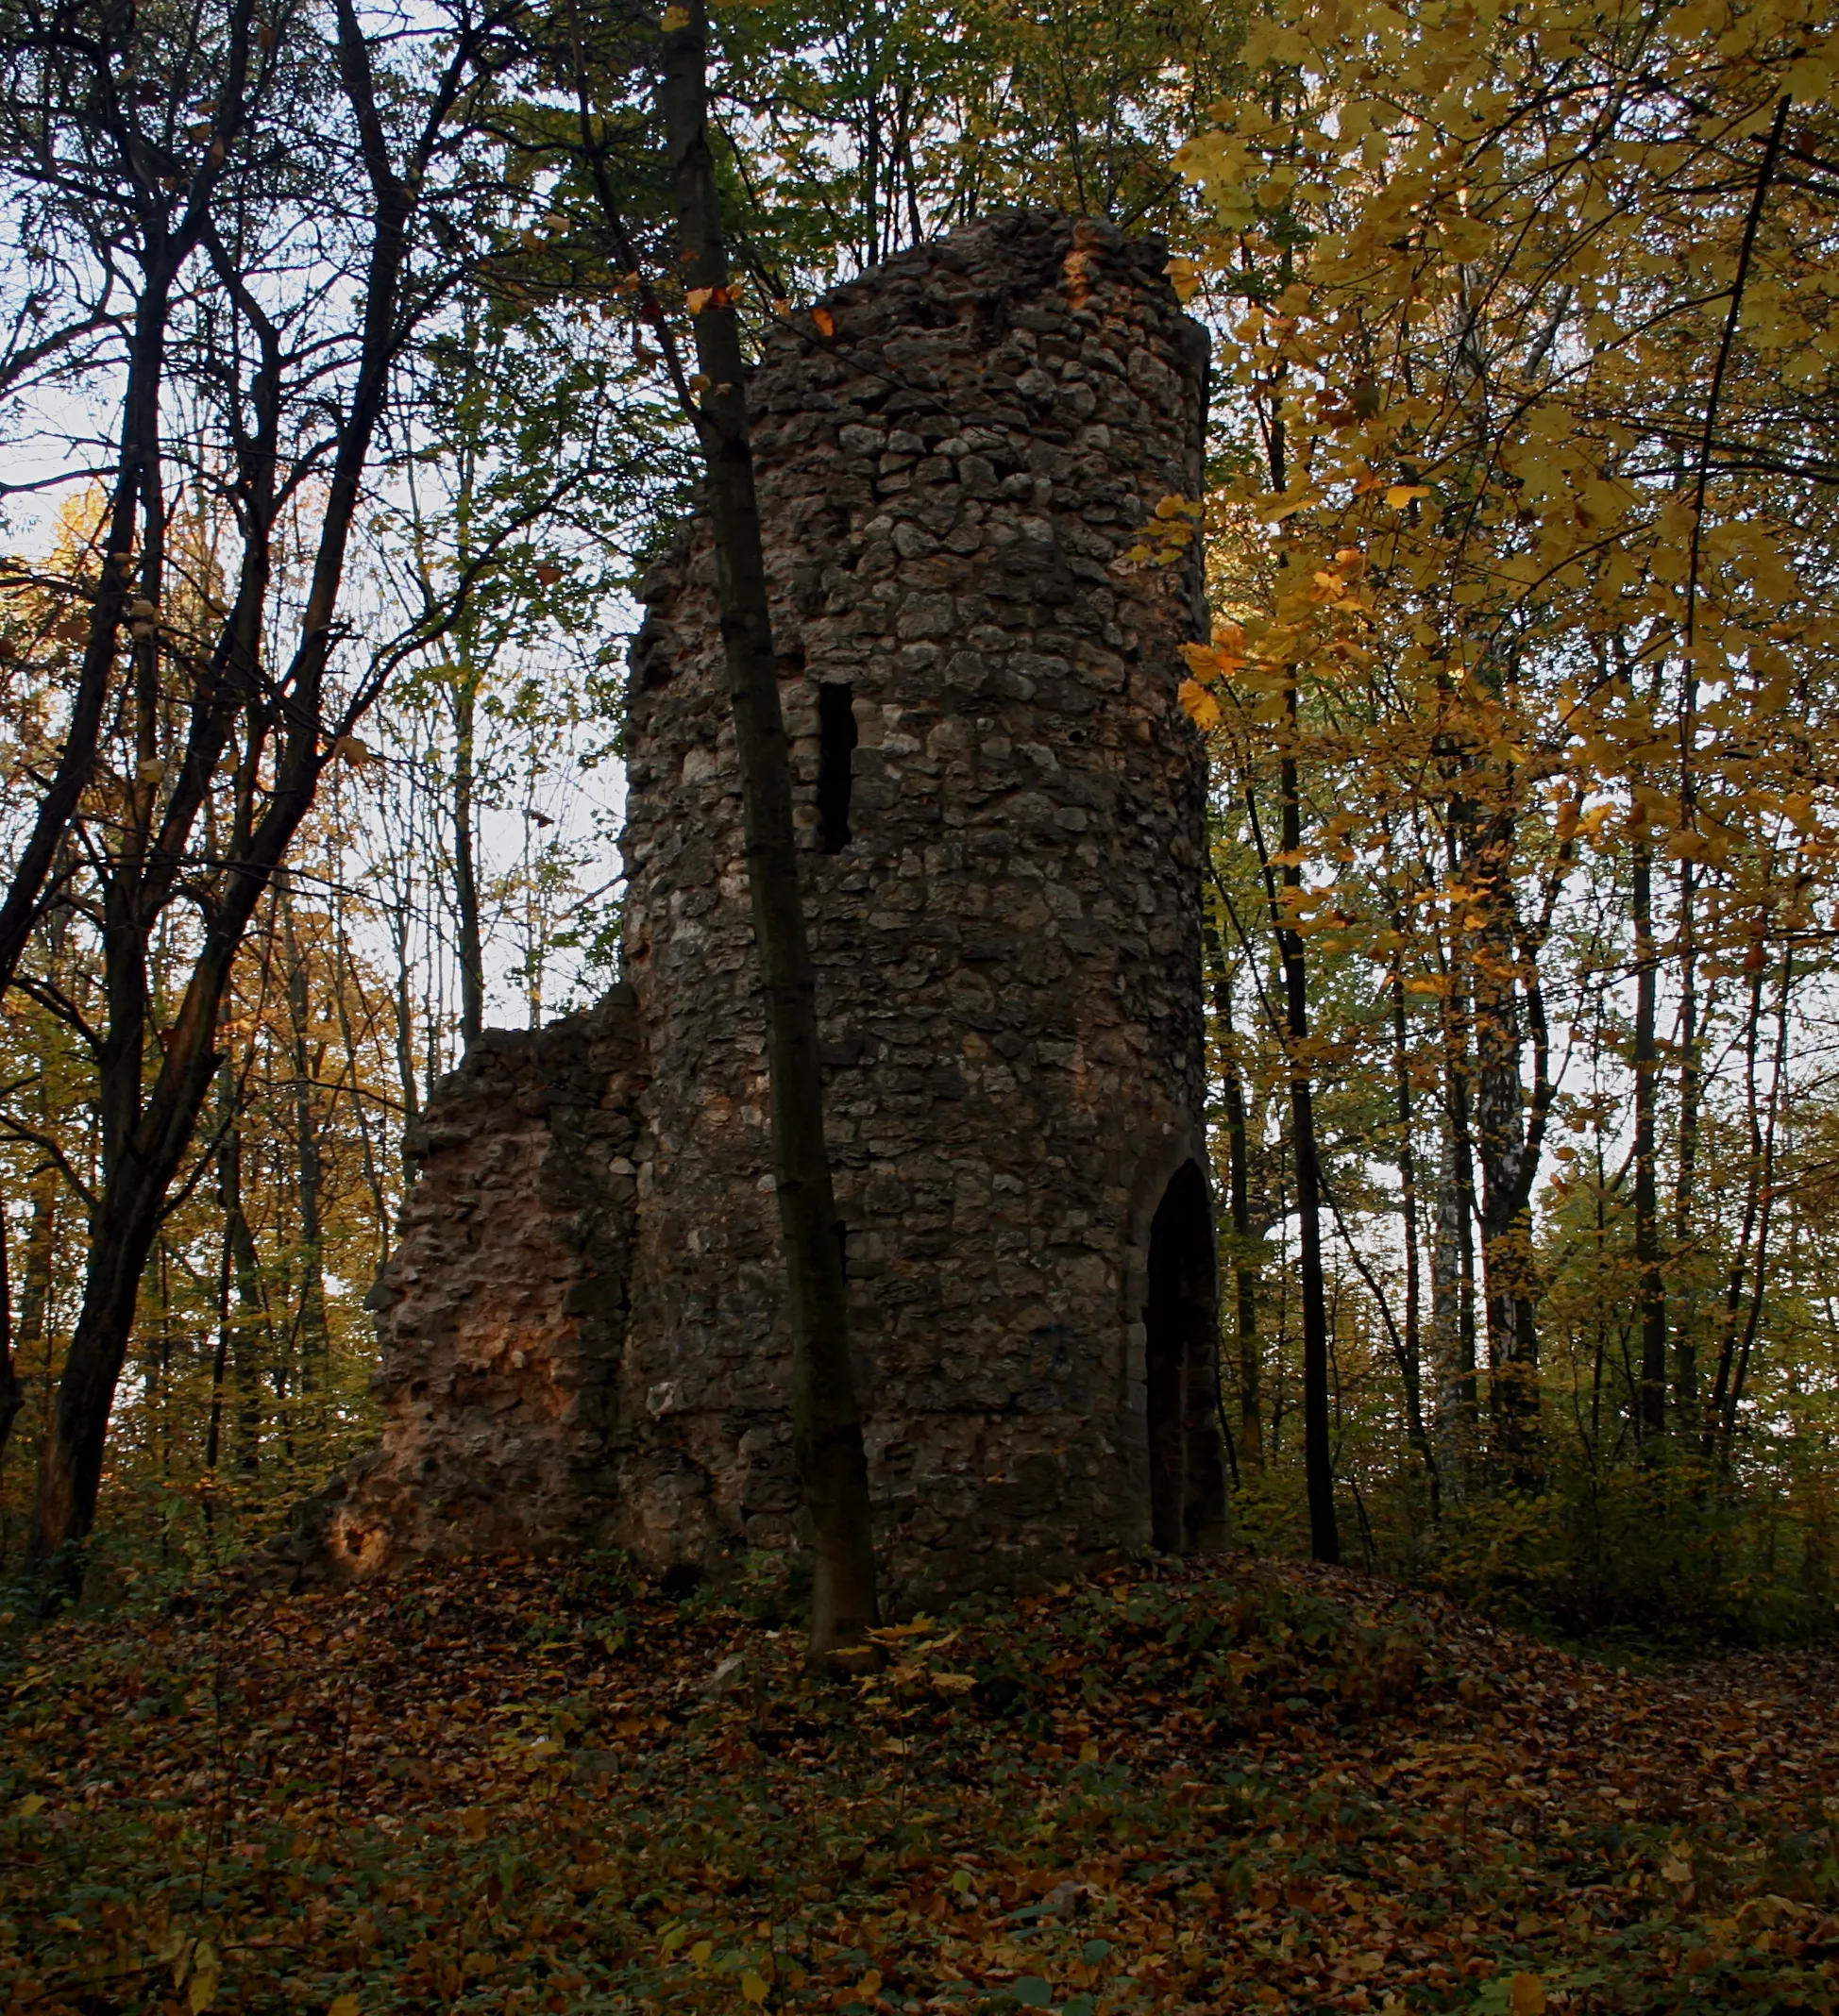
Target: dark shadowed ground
x,y
500,1787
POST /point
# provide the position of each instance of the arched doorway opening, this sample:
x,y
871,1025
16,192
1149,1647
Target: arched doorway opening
x,y
1181,1367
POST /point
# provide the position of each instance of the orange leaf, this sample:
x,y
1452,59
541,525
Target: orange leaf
x,y
1203,709
825,321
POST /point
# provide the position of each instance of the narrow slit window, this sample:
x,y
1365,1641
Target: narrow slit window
x,y
836,745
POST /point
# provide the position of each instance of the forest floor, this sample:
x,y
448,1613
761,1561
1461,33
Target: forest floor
x,y
1250,1786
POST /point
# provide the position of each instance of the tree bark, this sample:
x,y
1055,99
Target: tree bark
x,y
310,1320
1685,1326
1758,1200
1759,1282
470,931
1239,1185
1318,1438
1405,1159
1501,1139
470,948
239,1309
1453,1315
826,1426
1651,1284
1318,1444
228,1175
1458,1052
30,1313
12,1391
1305,1161
345,982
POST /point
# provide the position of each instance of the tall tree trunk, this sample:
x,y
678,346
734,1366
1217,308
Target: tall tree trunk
x,y
1711,1432
1318,1444
1318,1437
1759,1280
344,981
1406,1160
826,1427
122,1232
241,1314
1239,1185
229,1182
1500,1138
1650,1282
1759,1203
254,1338
1453,1271
308,1181
32,1312
1446,1305
1305,1161
1458,1051
1685,1328
12,1391
401,915
470,948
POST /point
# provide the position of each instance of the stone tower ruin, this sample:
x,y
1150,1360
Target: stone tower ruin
x,y
1001,803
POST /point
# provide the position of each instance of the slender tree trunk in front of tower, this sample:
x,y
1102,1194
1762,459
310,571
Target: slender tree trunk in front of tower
x,y
826,1427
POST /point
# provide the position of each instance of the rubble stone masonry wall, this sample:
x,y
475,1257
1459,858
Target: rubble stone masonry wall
x,y
502,1310
1001,804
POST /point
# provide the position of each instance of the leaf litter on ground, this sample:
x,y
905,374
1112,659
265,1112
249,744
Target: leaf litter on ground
x,y
1231,1786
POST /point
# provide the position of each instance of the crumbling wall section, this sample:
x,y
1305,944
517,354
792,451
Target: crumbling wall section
x,y
501,1313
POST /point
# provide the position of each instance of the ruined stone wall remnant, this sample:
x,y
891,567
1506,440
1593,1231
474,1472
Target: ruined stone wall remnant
x,y
1002,806
503,1306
